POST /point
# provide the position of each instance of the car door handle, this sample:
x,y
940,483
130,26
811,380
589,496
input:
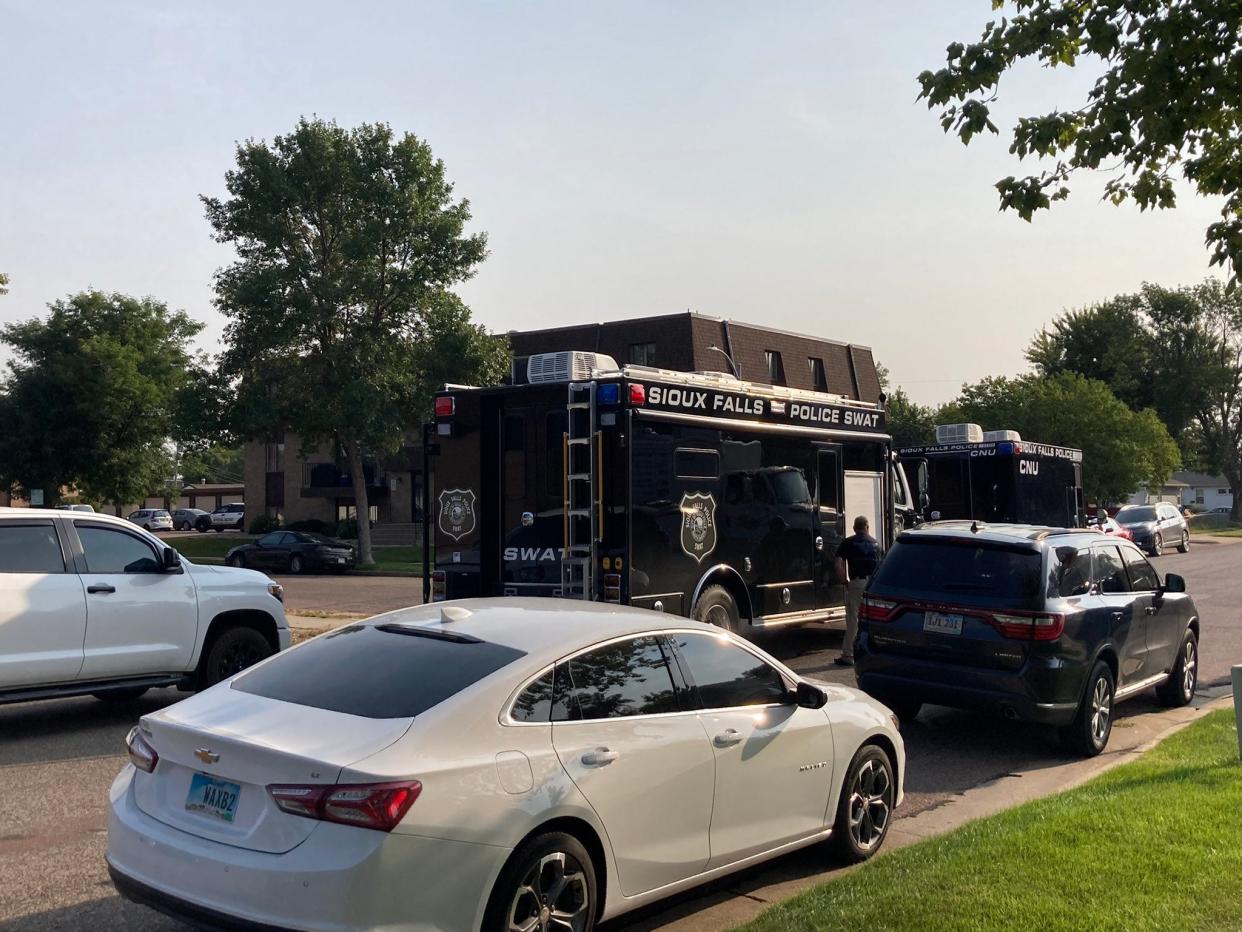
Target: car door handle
x,y
600,757
1117,616
1149,610
100,587
727,738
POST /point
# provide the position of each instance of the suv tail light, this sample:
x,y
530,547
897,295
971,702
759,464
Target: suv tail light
x,y
438,585
1046,627
141,754
446,406
378,806
877,609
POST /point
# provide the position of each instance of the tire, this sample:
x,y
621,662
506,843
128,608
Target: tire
x,y
296,564
538,868
1183,679
121,695
235,559
1088,734
1157,545
716,606
233,651
906,710
240,525
865,809
202,528
1184,546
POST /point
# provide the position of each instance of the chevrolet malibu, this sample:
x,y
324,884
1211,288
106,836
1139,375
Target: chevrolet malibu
x,y
492,764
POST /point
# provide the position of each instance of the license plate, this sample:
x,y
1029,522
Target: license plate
x,y
212,797
937,623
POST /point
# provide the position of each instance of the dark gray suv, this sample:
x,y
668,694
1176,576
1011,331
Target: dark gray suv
x,y
1045,625
1154,527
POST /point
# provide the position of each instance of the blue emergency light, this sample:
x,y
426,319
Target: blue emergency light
x,y
608,393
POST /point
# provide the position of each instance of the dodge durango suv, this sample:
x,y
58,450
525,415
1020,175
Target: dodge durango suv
x,y
1045,625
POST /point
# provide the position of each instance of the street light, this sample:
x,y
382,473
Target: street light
x,y
732,364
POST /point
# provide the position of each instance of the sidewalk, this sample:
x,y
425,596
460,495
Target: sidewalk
x,y
740,899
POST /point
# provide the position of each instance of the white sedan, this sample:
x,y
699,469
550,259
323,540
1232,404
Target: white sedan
x,y
515,764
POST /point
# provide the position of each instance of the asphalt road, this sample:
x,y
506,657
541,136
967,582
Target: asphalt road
x,y
58,758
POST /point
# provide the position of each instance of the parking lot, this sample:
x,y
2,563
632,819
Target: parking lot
x,y
58,758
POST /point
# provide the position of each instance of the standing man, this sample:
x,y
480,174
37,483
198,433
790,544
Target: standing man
x,y
856,561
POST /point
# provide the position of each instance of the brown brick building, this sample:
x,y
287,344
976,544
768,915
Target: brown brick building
x,y
683,341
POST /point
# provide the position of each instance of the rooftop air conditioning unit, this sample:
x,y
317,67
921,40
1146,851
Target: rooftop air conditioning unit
x,y
959,433
567,366
996,436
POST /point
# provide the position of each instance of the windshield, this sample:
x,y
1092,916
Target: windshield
x,y
789,486
1136,514
961,571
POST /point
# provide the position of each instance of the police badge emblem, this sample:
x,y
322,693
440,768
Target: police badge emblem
x,y
457,512
698,524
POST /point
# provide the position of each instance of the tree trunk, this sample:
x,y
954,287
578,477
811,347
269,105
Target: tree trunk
x,y
362,509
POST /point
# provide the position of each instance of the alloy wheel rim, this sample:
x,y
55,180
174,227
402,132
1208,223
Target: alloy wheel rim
x,y
1185,540
870,804
235,659
553,895
1190,665
1158,544
1101,709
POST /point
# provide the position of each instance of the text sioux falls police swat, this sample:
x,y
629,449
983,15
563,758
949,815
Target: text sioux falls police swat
x,y
692,399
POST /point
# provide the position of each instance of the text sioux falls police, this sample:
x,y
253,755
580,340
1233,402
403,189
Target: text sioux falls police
x,y
692,399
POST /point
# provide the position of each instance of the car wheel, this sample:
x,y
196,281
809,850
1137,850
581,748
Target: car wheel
x,y
235,559
239,526
548,883
295,564
865,808
233,651
906,710
1184,546
1157,545
1179,688
716,606
201,528
121,695
1089,732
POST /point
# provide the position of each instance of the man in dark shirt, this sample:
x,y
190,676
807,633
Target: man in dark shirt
x,y
856,560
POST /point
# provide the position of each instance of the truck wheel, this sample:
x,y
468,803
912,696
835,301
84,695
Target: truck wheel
x,y
716,606
232,652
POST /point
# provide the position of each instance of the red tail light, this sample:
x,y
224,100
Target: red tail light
x,y
1030,627
446,406
378,806
877,609
141,754
438,587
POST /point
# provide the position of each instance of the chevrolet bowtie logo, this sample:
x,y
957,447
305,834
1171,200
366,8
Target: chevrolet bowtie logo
x,y
207,755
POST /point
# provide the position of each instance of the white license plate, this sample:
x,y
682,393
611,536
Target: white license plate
x,y
938,623
213,797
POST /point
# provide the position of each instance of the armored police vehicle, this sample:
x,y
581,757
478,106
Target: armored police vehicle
x,y
696,494
996,476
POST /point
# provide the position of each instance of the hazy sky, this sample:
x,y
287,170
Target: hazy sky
x,y
760,161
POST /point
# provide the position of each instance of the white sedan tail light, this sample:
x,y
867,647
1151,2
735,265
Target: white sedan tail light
x,y
141,754
378,806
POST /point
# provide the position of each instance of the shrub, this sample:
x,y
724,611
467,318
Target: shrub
x,y
347,529
264,524
312,526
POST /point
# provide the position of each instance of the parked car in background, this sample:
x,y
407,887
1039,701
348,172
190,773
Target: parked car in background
x,y
79,507
1110,526
294,552
1045,625
226,517
184,519
152,519
93,605
640,754
1154,527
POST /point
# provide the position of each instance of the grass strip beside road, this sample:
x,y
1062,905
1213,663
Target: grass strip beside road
x,y
211,548
1152,844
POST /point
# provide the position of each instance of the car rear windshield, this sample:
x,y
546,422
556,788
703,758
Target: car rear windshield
x,y
961,571
377,672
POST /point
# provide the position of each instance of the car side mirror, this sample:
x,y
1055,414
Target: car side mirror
x,y
809,696
172,560
1174,583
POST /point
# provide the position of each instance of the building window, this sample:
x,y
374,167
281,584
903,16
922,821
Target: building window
x,y
345,512
776,371
642,354
274,455
1222,491
819,381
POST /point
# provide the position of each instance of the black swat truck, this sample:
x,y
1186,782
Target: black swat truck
x,y
696,494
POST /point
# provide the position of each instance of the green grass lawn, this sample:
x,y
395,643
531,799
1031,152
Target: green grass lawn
x,y
211,548
1154,844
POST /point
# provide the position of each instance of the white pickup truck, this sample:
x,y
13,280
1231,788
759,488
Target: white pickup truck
x,y
92,605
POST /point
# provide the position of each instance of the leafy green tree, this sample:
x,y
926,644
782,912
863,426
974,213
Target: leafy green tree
x,y
4,283
1122,449
348,242
89,400
1167,100
215,463
910,423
